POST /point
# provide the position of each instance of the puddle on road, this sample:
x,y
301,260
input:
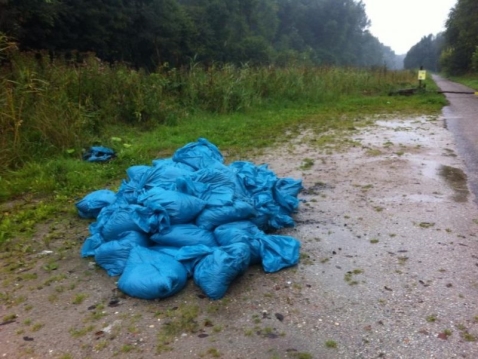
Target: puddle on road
x,y
403,132
457,180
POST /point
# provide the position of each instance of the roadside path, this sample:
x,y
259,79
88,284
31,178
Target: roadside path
x,y
461,117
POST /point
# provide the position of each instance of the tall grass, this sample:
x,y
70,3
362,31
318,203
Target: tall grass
x,y
49,107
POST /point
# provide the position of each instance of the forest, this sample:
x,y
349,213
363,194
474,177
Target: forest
x,y
455,51
151,33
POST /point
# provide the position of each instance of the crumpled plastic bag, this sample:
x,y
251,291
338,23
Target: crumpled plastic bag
x,y
278,252
91,205
181,235
285,193
181,207
99,154
216,271
113,255
242,231
119,218
216,187
212,217
150,275
189,256
199,154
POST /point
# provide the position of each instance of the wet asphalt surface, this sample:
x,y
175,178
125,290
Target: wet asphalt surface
x,y
462,120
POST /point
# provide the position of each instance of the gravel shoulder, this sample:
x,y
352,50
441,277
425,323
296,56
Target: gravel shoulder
x,y
388,269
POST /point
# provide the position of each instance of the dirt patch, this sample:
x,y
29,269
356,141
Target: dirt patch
x,y
388,269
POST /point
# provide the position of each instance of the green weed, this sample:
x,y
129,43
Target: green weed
x,y
76,333
306,164
331,344
182,320
79,298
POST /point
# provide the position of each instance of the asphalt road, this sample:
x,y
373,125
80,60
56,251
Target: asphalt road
x,y
461,117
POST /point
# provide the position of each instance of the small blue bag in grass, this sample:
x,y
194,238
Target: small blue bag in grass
x,y
152,275
99,154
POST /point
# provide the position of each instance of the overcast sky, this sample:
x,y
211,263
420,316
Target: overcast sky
x,y
400,24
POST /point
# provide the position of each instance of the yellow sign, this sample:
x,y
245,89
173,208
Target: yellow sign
x,y
422,75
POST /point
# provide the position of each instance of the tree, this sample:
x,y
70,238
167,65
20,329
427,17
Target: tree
x,y
461,37
148,33
425,53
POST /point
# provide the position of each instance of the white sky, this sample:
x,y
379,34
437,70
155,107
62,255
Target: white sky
x,y
400,24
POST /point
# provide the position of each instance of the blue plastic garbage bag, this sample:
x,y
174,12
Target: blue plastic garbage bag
x,y
270,215
200,154
163,175
212,217
130,188
99,154
281,220
170,163
181,207
286,191
116,219
113,255
279,252
189,256
151,275
254,178
135,173
216,187
91,244
215,272
242,231
91,205
180,235
266,209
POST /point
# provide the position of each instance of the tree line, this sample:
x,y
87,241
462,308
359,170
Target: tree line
x,y
455,51
152,33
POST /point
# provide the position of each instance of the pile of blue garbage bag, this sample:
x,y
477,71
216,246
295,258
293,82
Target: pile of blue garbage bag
x,y
191,216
